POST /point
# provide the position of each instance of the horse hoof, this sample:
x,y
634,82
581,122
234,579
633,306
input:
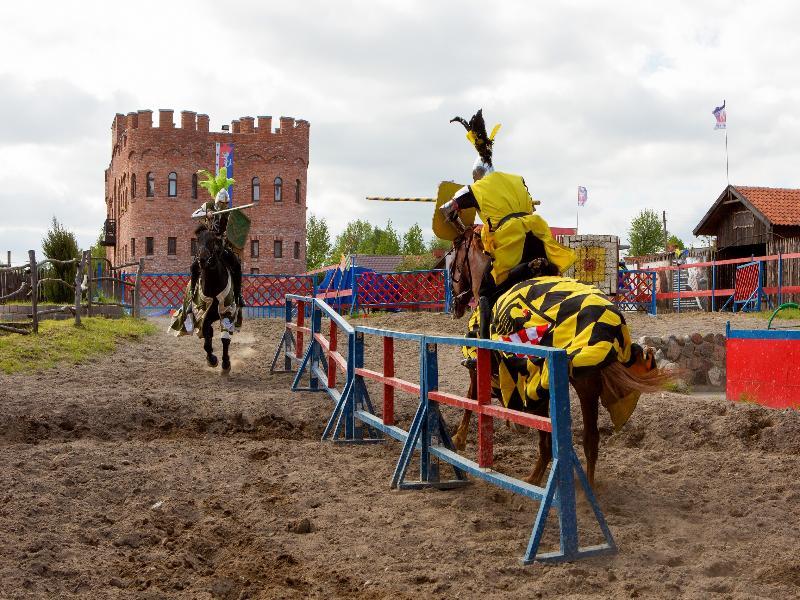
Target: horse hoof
x,y
226,365
212,360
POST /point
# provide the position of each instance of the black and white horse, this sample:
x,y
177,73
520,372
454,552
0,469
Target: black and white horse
x,y
214,281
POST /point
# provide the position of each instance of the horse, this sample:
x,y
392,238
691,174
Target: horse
x,y
214,281
467,262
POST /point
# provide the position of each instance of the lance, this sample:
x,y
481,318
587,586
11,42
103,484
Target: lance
x,y
386,199
219,212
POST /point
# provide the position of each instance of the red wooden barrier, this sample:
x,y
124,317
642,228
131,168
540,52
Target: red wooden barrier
x,y
763,371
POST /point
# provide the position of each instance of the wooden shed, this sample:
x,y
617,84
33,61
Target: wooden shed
x,y
754,221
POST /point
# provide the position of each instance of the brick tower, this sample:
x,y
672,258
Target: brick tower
x,y
151,189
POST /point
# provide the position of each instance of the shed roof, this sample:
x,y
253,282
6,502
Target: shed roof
x,y
774,206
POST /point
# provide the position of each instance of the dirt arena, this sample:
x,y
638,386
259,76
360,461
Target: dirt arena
x,y
147,475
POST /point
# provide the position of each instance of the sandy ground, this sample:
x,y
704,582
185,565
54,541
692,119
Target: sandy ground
x,y
147,475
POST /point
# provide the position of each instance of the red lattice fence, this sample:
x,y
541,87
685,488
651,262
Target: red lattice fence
x,y
412,290
636,290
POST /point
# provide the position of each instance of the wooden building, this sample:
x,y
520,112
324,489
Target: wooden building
x,y
754,221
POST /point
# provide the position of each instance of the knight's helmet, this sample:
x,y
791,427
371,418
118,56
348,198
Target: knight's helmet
x,y
221,200
477,136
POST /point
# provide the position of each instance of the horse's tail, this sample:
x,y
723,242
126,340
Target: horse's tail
x,y
639,375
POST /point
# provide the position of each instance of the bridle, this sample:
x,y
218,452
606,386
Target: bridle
x,y
467,239
213,252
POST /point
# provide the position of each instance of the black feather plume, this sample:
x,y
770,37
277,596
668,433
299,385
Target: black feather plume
x,y
477,126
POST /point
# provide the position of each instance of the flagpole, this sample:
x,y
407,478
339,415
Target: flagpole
x,y
577,210
727,174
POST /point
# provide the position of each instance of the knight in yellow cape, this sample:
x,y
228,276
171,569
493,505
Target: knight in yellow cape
x,y
512,234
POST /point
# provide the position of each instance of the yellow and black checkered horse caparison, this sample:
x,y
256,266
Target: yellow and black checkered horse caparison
x,y
580,319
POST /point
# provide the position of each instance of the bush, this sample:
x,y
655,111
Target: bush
x,y
422,262
59,244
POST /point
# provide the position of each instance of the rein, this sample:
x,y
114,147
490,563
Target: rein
x,y
468,290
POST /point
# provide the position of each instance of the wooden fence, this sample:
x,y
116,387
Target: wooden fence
x,y
29,278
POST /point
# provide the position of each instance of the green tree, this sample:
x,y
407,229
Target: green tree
x,y
385,242
645,235
439,244
356,238
60,244
318,242
675,242
413,243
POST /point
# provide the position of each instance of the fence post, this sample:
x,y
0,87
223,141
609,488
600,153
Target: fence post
x,y
653,305
428,381
287,362
562,451
713,284
447,291
34,290
78,281
89,277
137,290
485,422
388,390
780,278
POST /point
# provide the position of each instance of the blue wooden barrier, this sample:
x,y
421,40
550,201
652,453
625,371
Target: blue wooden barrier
x,y
353,419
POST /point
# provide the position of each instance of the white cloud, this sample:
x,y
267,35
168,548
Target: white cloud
x,y
616,97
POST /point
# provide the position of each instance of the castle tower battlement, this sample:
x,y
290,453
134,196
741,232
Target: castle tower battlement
x,y
151,188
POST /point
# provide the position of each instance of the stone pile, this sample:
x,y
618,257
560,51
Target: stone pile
x,y
700,358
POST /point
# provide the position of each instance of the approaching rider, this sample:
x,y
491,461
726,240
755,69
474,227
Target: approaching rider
x,y
218,224
512,234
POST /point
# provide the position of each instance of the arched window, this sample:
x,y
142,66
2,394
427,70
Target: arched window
x,y
255,193
194,186
151,185
297,191
278,189
172,184
133,185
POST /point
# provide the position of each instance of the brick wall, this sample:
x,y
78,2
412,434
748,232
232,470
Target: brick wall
x,y
139,148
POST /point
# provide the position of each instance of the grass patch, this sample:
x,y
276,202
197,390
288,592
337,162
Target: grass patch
x,y
61,342
786,313
678,386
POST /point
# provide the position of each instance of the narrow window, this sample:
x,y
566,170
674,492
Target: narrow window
x,y
193,246
151,185
255,194
148,246
278,249
172,184
297,249
172,246
194,186
133,247
254,271
297,191
278,189
133,186
253,248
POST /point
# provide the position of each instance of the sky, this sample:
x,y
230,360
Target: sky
x,y
613,96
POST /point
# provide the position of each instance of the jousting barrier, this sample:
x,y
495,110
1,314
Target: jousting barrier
x,y
762,366
308,353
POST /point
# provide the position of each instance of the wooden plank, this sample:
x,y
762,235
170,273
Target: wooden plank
x,y
400,384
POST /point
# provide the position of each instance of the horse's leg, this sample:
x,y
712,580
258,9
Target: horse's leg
x,y
588,389
208,334
545,452
226,361
460,436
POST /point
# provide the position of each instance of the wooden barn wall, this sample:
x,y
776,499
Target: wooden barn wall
x,y
784,244
728,235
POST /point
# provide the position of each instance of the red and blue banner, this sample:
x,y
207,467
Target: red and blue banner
x,y
224,158
721,115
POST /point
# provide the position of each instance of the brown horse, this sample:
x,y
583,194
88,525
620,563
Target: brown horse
x,y
467,262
